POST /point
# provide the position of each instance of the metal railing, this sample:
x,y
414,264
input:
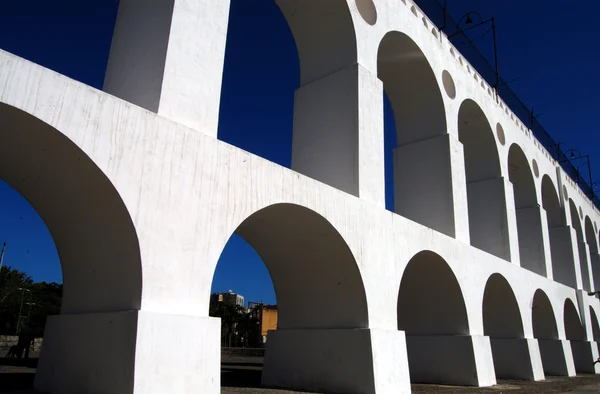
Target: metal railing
x,y
438,14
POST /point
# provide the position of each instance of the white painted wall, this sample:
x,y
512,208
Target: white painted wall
x,y
165,198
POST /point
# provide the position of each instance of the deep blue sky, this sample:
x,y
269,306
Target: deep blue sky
x,y
551,49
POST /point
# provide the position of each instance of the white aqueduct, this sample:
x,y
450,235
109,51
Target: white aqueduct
x,y
481,273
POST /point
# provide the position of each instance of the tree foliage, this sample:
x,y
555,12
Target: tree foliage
x,y
239,327
34,300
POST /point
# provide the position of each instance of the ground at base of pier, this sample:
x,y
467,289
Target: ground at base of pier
x,y
245,379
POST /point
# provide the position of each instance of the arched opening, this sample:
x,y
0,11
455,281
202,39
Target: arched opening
x,y
503,324
545,330
529,225
432,313
590,238
30,277
544,321
501,316
575,333
563,267
573,327
319,291
95,238
595,325
91,227
581,246
485,185
422,176
281,87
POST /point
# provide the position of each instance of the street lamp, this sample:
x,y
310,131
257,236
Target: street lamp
x,y
468,19
30,304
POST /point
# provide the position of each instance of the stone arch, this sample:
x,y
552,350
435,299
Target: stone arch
x,y
501,314
551,203
476,135
575,333
502,322
595,325
430,301
319,291
545,330
315,54
574,330
563,268
432,312
529,225
309,263
543,318
324,35
412,88
485,185
590,238
575,220
327,50
581,245
421,158
95,237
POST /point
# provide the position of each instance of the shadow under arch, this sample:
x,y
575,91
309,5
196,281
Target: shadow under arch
x,y
310,264
573,327
595,325
432,312
485,186
324,35
581,246
529,220
421,159
502,322
590,239
545,330
93,232
575,333
563,266
320,294
501,315
97,246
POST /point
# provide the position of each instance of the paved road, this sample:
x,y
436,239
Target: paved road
x,y
244,378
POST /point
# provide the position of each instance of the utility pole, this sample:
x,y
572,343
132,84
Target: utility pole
x,y
23,290
29,310
2,258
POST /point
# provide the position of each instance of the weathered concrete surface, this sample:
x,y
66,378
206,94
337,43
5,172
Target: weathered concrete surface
x,y
141,202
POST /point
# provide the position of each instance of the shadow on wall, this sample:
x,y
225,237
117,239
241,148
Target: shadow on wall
x,y
432,312
529,222
421,134
91,227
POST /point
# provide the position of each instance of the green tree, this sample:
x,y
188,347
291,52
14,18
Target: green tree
x,y
230,315
35,303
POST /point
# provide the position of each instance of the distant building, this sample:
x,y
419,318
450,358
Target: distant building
x,y
229,298
266,316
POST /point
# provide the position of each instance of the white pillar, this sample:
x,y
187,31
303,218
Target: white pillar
x,y
167,57
547,253
338,133
337,360
511,222
130,352
563,262
488,223
531,244
430,185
